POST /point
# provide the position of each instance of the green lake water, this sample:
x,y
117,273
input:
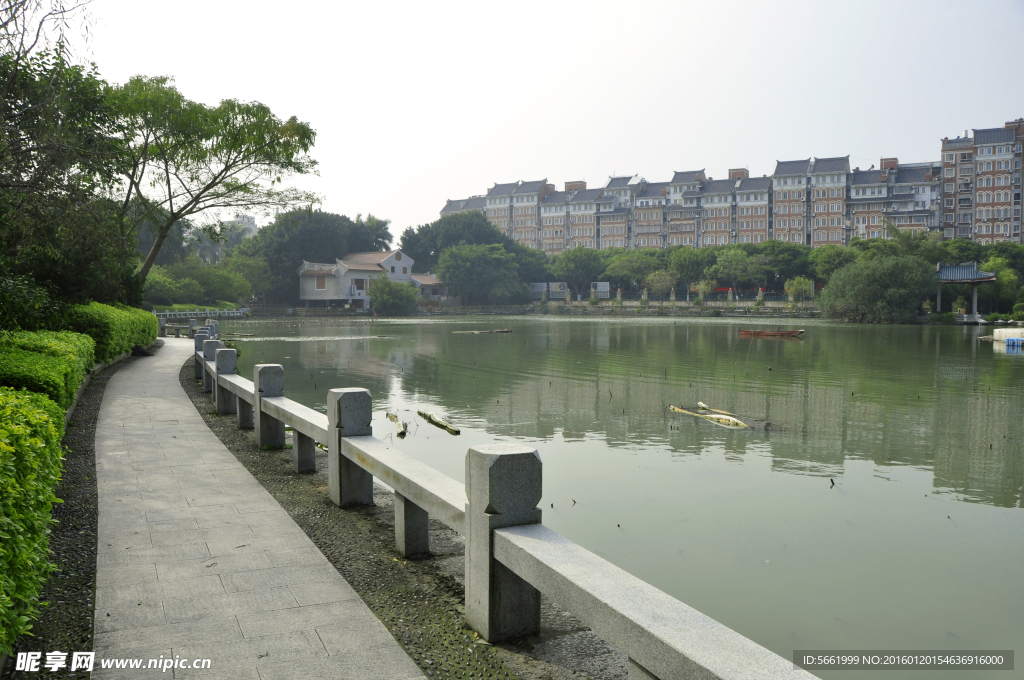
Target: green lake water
x,y
918,545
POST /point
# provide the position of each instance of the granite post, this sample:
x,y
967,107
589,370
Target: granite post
x,y
226,362
349,411
503,487
268,381
210,348
412,528
199,339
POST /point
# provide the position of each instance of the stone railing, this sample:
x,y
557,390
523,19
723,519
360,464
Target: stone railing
x,y
511,558
202,313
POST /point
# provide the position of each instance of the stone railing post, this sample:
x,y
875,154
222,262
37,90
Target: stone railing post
x,y
412,528
210,348
226,361
199,338
349,412
162,332
268,381
503,487
192,328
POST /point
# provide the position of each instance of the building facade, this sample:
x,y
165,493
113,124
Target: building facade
x,y
347,281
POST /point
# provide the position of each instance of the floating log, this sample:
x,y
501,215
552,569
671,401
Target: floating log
x,y
493,330
403,427
712,415
746,332
438,422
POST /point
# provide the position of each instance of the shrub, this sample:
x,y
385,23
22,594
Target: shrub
x,y
29,306
31,427
115,329
392,298
944,317
1018,308
49,375
992,318
79,350
594,300
879,290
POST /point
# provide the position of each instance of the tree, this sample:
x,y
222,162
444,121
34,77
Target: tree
x,y
878,290
1004,290
734,267
480,273
689,264
800,288
660,282
532,264
392,298
631,267
828,258
299,235
252,269
961,250
375,231
578,267
782,260
426,243
182,158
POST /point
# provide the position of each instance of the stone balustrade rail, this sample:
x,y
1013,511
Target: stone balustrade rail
x,y
511,557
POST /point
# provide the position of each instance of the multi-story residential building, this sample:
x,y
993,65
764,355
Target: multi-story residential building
x,y
583,218
683,222
958,187
915,195
649,215
719,214
613,221
525,204
498,205
828,186
473,203
753,209
791,200
554,220
869,190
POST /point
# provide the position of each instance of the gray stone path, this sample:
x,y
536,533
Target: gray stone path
x,y
197,560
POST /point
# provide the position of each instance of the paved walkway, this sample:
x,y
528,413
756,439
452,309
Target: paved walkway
x,y
197,560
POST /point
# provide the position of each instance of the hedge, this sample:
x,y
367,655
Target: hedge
x,y
31,427
49,375
115,329
79,349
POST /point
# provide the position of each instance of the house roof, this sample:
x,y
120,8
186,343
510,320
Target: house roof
x,y
316,268
426,279
837,164
687,176
530,187
366,258
720,186
755,184
965,272
619,182
791,167
475,203
586,195
453,206
363,267
502,189
866,177
317,272
993,136
653,189
557,198
915,175
616,211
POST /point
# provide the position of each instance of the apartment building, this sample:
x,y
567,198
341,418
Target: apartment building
x,y
914,202
649,215
753,209
790,188
498,206
477,203
869,190
583,231
554,220
683,219
718,214
828,187
526,221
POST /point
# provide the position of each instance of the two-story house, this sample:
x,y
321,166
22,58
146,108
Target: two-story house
x,y
347,281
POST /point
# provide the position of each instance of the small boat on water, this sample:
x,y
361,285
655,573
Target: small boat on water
x,y
747,332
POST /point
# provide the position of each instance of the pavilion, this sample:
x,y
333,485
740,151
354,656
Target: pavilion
x,y
965,272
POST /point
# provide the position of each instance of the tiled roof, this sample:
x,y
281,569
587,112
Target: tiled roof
x,y
475,203
502,189
653,189
426,280
366,258
557,198
453,206
965,272
317,272
530,187
755,184
838,164
618,182
866,177
993,136
586,195
688,176
617,211
915,175
720,186
791,167
320,268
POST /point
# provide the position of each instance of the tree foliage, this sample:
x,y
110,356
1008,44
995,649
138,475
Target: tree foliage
x,y
482,274
878,290
578,267
826,259
660,282
392,298
425,243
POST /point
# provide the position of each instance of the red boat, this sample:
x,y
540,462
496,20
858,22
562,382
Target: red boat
x,y
769,334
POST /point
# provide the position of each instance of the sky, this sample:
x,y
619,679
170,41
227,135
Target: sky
x,y
415,103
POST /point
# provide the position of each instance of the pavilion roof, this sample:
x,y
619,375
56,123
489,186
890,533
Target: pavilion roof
x,y
965,272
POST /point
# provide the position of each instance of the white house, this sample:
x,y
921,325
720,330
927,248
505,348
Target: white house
x,y
347,281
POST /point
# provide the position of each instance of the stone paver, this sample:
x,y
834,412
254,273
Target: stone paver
x,y
197,560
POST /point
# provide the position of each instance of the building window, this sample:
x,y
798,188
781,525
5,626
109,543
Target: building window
x,y
405,270
321,283
392,269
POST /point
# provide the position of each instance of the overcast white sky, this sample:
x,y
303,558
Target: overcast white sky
x,y
418,102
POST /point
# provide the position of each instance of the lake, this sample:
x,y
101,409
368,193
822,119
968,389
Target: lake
x,y
919,544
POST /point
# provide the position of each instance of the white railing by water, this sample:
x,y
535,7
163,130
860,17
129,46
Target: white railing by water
x,y
511,557
202,313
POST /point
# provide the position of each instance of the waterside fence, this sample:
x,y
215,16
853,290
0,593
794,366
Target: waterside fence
x,y
511,557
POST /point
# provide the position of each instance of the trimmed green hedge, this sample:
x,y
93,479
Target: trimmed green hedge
x,y
31,428
49,375
115,329
79,349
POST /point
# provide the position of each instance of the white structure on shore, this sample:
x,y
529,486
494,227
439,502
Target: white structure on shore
x,y
347,281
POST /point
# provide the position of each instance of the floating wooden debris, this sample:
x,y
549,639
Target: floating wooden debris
x,y
438,422
403,427
717,417
493,330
